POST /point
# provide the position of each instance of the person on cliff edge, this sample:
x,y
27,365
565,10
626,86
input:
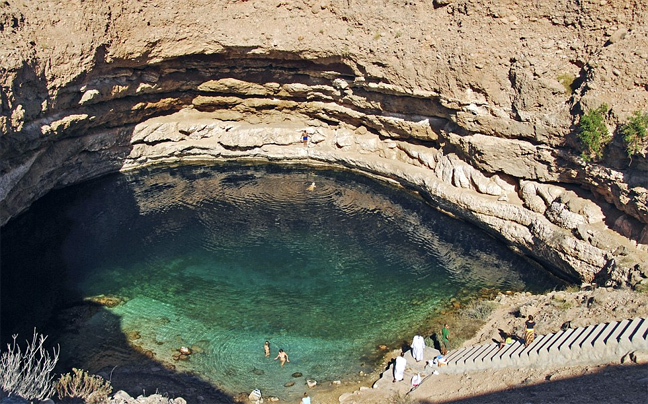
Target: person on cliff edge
x,y
399,367
418,347
445,339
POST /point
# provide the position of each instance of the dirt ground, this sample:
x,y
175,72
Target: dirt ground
x,y
580,384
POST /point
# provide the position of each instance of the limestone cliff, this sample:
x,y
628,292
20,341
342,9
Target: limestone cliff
x,y
471,102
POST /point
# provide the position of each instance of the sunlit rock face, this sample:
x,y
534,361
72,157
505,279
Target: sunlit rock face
x,y
471,103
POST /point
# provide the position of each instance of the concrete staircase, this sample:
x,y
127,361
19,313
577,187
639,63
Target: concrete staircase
x,y
599,343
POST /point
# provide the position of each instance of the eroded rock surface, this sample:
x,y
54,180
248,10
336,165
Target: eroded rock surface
x,y
471,102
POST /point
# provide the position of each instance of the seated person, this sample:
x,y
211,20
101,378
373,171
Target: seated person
x,y
416,380
438,360
510,338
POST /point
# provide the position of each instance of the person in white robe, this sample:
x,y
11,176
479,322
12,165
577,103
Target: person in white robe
x,y
399,367
418,346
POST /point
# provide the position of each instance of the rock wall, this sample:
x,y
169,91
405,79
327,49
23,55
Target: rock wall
x,y
470,102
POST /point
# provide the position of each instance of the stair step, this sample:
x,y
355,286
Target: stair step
x,y
502,358
625,339
640,337
600,342
471,360
588,342
565,346
454,354
532,351
486,357
519,356
469,354
543,351
555,355
460,357
612,343
576,346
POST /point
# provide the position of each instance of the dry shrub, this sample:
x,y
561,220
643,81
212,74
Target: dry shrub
x,y
92,389
28,374
479,310
464,322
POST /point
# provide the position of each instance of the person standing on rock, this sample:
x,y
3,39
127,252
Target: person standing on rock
x,y
445,339
305,138
306,399
399,367
418,346
529,335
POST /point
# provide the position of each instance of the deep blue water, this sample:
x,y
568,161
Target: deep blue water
x,y
223,258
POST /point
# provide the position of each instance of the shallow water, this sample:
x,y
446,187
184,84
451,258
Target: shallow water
x,y
221,259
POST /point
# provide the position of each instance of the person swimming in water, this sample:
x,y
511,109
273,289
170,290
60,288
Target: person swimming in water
x,y
266,348
282,356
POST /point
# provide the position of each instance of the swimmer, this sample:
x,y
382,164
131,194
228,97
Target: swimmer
x,y
311,187
283,357
266,348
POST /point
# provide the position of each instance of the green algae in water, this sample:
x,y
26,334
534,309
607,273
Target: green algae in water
x,y
221,259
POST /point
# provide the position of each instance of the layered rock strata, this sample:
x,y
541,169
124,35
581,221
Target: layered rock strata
x,y
471,103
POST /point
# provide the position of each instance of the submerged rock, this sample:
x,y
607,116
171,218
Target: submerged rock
x,y
106,300
180,357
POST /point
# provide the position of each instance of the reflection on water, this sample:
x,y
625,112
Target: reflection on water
x,y
221,259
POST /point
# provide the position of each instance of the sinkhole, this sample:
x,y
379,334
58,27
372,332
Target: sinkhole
x,y
328,265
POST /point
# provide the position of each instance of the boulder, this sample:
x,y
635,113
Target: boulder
x,y
529,195
121,397
255,395
559,214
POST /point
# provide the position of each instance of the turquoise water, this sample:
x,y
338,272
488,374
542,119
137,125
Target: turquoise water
x,y
221,259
